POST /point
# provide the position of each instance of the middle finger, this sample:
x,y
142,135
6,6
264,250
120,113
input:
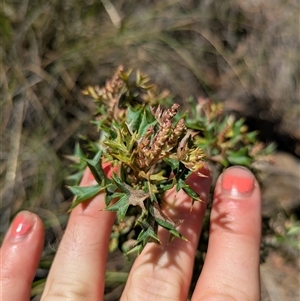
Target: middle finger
x,y
163,272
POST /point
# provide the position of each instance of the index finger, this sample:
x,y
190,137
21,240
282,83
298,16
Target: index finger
x,y
78,270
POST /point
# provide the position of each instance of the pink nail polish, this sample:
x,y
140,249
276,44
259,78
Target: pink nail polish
x,y
238,181
22,224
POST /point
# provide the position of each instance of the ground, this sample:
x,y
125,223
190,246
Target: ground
x,y
244,54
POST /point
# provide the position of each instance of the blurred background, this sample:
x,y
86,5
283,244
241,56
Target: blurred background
x,y
243,53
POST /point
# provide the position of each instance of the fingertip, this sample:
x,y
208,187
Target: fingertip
x,y
200,181
24,224
21,249
237,202
234,238
237,181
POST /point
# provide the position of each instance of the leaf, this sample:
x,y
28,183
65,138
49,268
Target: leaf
x,y
252,136
120,207
129,196
84,193
240,160
147,235
176,233
191,193
108,199
78,166
181,184
182,172
116,145
269,149
239,157
174,163
170,227
75,178
122,186
137,198
121,147
223,125
117,195
78,151
194,125
145,124
139,120
95,166
130,138
77,156
168,185
158,176
164,221
134,117
123,158
237,125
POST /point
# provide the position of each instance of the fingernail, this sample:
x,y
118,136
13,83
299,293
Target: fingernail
x,y
88,178
238,181
22,224
91,178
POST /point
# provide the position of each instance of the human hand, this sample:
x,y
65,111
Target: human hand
x,y
161,272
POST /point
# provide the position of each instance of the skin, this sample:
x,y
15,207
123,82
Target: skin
x,y
161,272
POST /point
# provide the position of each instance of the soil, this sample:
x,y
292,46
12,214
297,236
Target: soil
x,y
279,279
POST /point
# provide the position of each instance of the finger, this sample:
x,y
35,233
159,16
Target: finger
x,y
163,272
231,268
20,254
78,270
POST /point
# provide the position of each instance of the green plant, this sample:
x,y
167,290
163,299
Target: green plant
x,y
285,234
152,149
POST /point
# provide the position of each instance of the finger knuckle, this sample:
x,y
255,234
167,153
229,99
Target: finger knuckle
x,y
68,290
152,287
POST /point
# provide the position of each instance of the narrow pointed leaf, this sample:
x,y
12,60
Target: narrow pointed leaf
x,y
191,193
187,189
116,145
78,151
164,221
165,224
172,162
123,158
75,178
83,193
158,176
95,166
240,160
148,234
122,186
168,185
176,233
120,207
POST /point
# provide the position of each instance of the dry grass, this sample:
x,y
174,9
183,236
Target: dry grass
x,y
243,53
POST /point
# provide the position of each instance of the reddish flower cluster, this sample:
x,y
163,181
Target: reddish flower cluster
x,y
164,140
